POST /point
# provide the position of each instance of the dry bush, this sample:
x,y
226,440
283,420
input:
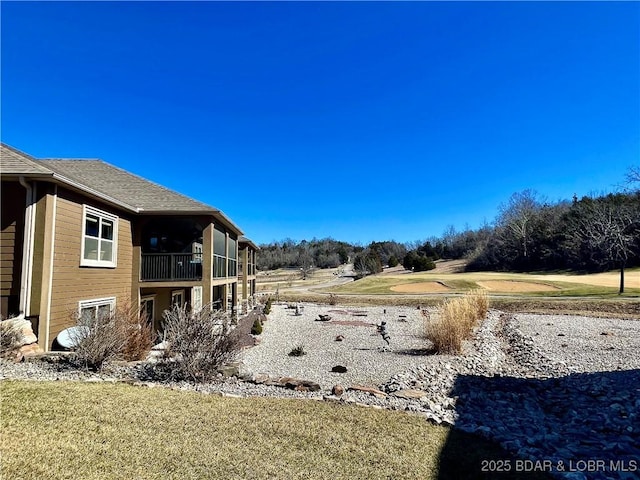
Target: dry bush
x,y
98,341
124,334
197,343
455,320
139,335
333,299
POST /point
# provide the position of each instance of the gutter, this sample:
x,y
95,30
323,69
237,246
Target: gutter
x,y
27,249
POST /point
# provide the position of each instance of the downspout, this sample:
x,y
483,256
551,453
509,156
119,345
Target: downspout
x,y
27,250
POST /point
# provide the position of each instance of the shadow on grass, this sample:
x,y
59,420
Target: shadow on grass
x,y
561,423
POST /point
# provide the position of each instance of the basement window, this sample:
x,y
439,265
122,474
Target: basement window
x,y
92,310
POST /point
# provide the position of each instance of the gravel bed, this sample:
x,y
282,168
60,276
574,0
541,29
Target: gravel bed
x,y
362,351
585,344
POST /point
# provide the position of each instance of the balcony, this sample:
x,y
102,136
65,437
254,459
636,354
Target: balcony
x,y
162,267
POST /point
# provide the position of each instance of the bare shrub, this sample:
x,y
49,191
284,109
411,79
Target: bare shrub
x,y
139,335
333,299
124,334
98,340
197,343
455,320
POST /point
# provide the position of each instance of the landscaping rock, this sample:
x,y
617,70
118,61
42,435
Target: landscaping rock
x,y
19,331
337,390
371,390
302,385
410,394
339,369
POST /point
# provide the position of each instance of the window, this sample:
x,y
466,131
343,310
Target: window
x,y
219,253
233,256
177,298
99,234
147,306
92,310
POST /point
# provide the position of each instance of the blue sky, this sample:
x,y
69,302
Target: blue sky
x,y
359,121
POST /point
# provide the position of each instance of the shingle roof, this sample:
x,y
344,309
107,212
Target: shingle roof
x,y
248,241
15,162
108,182
127,188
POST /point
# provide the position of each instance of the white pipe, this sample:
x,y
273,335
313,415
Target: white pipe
x,y
27,250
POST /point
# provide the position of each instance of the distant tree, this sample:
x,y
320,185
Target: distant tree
x,y
367,262
632,177
418,262
608,227
393,261
516,220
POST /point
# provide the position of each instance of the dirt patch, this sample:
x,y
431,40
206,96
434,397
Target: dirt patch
x,y
422,287
511,286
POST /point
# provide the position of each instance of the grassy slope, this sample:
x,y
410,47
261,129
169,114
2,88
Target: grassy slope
x,y
569,285
69,430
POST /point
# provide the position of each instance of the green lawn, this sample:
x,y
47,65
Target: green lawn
x,y
58,430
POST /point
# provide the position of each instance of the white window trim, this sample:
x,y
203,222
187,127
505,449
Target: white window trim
x,y
146,298
108,216
95,303
196,306
181,292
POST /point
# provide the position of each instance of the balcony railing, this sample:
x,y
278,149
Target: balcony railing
x,y
157,267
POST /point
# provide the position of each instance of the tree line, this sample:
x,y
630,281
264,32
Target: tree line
x,y
589,234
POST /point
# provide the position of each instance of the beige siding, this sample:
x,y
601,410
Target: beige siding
x,y
38,246
72,283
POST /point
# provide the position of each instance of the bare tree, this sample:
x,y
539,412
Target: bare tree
x,y
516,217
610,228
632,177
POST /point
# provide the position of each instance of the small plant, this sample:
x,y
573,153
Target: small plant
x,y
267,307
256,329
298,351
333,299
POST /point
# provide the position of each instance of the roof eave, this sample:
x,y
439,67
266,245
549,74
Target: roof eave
x,y
30,176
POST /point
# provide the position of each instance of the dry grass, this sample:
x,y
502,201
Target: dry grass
x,y
455,320
68,430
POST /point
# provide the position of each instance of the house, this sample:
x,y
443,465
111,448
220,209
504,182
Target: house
x,y
247,272
80,237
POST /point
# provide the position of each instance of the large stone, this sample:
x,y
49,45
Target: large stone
x,y
230,370
410,394
339,369
260,378
19,331
337,390
31,350
301,385
372,390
